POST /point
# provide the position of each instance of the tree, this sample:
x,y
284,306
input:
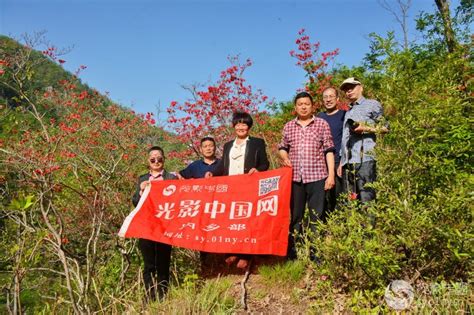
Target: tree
x,y
449,35
315,65
442,31
210,110
401,17
66,185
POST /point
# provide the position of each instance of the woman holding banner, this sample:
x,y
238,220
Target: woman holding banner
x,y
156,255
243,155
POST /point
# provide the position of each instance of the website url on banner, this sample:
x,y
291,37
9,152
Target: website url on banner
x,y
212,239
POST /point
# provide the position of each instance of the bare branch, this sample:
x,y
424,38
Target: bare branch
x,y
400,14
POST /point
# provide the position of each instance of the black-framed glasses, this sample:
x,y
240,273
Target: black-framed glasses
x,y
156,160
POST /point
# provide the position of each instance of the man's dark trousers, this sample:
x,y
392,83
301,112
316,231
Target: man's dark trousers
x,y
357,175
333,194
313,195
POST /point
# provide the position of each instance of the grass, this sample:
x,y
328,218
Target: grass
x,y
286,273
195,296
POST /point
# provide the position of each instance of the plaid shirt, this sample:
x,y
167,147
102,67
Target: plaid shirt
x,y
307,147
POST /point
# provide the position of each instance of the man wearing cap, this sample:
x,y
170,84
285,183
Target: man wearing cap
x,y
361,124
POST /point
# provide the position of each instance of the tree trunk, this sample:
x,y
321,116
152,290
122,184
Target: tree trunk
x,y
443,8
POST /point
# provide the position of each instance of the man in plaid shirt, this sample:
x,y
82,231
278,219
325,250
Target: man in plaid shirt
x,y
308,148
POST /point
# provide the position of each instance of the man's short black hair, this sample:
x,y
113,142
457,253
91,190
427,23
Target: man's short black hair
x,y
303,95
242,118
208,138
157,148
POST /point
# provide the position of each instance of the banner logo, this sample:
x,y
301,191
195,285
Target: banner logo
x,y
168,191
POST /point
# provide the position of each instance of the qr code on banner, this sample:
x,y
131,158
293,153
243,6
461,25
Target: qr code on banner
x,y
268,185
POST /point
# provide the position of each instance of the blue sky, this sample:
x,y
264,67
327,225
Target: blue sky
x,y
141,52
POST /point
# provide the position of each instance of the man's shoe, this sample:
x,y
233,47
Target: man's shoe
x,y
230,260
291,254
243,263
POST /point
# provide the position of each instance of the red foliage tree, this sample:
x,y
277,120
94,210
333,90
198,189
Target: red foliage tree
x,y
73,162
315,64
210,110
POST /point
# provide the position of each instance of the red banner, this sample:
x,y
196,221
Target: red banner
x,y
247,214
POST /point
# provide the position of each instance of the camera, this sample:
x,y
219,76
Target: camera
x,y
352,124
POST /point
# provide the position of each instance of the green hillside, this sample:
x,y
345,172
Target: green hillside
x,y
31,73
40,73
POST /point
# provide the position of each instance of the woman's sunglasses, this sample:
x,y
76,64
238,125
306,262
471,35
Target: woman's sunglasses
x,y
156,160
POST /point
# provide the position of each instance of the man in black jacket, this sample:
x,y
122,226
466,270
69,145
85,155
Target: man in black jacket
x,y
156,255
